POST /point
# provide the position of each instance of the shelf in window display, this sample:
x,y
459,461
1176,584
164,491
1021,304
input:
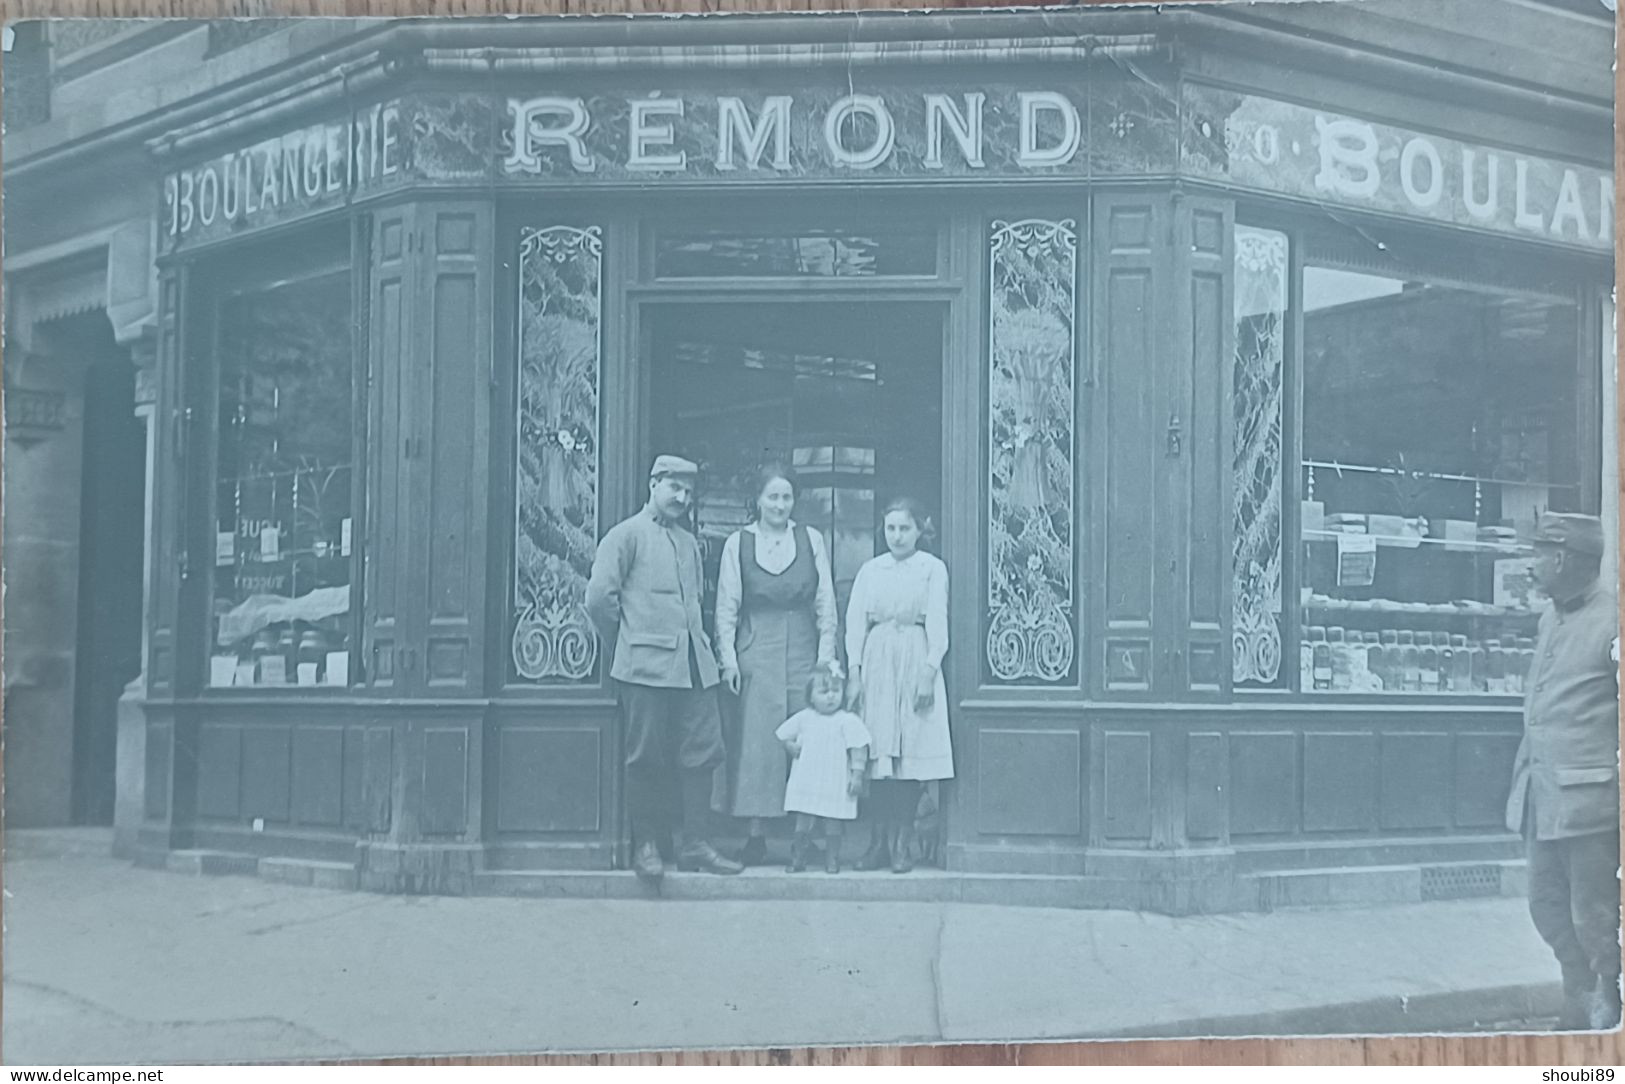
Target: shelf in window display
x,y
1389,607
1433,476
1452,545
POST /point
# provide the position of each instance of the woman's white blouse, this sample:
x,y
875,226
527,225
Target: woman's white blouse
x,y
886,588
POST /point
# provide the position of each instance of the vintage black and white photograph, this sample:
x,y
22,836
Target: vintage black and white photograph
x,y
776,530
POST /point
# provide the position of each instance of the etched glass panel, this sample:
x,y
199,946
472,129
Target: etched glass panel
x,y
1032,473
556,518
1261,302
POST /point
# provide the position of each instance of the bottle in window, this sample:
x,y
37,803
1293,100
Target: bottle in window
x,y
1323,658
1410,663
1306,661
1514,677
1428,658
1374,659
310,657
1461,665
1390,672
1495,671
1478,667
266,668
1342,669
1447,660
1526,659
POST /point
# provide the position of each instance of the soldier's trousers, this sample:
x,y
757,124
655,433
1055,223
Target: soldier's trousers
x,y
1574,900
673,745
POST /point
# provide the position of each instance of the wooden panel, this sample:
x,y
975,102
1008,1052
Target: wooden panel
x,y
1127,664
155,796
165,501
1339,782
1416,773
318,775
451,445
1206,787
447,662
354,753
220,771
1130,414
1483,778
445,781
1029,782
1263,783
266,773
548,779
377,778
387,547
1196,527
1126,786
453,380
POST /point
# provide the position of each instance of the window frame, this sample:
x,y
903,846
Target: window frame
x,y
218,277
1440,256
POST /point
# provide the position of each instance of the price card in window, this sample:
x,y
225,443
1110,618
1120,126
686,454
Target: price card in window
x,y
225,549
270,543
1515,583
344,538
1356,560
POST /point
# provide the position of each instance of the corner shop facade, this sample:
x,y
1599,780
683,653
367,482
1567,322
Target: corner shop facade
x,y
1248,361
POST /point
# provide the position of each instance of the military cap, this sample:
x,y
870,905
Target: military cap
x,y
673,466
1574,532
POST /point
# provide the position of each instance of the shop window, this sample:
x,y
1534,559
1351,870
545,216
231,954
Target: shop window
x,y
811,253
1438,422
284,528
1031,452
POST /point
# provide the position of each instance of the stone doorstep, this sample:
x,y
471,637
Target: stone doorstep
x,y
1253,892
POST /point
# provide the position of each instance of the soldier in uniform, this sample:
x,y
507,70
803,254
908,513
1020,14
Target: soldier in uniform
x,y
1565,788
644,594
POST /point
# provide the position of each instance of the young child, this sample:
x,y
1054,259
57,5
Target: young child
x,y
830,748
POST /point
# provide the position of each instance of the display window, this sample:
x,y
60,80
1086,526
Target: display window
x,y
1438,423
285,531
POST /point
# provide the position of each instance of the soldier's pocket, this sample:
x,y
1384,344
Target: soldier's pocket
x,y
648,655
1590,800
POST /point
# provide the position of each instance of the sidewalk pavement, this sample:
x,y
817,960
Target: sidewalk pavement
x,y
105,962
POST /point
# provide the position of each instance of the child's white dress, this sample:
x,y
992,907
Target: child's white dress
x,y
818,776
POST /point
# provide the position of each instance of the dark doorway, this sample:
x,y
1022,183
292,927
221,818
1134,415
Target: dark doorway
x,y
111,541
849,394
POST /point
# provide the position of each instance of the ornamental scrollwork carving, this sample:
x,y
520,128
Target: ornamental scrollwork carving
x,y
1032,447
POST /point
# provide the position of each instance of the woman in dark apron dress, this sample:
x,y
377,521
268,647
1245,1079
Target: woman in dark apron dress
x,y
775,621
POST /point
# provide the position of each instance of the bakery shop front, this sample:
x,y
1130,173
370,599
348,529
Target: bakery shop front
x,y
1230,390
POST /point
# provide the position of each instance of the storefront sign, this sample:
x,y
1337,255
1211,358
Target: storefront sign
x,y
280,178
1295,150
882,132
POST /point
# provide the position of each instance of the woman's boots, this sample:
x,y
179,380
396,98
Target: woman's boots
x,y
878,856
800,850
902,841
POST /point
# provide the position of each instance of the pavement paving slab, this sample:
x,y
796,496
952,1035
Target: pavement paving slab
x,y
105,962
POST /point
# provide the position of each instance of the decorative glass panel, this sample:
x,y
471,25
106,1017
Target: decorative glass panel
x,y
810,253
1032,283
556,519
281,607
1261,301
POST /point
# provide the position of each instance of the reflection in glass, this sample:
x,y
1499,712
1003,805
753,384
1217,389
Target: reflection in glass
x,y
284,530
810,253
1438,423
